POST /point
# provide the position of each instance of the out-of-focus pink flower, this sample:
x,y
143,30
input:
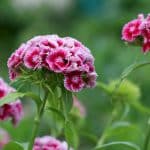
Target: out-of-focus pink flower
x,y
77,104
4,138
74,82
146,45
131,30
14,110
138,31
145,28
49,143
65,56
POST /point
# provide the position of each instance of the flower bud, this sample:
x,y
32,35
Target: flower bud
x,y
126,91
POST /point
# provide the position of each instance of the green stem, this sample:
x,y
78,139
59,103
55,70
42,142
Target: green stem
x,y
105,133
147,139
132,68
37,122
103,86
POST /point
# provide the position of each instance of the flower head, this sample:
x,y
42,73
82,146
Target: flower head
x,y
66,56
13,110
132,30
49,143
137,32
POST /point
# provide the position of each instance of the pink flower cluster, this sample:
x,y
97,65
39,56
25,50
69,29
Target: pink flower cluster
x,y
12,110
59,55
49,143
138,29
4,138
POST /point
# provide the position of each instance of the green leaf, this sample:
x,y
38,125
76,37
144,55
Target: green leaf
x,y
71,135
57,120
143,109
123,131
56,111
25,145
13,146
132,68
11,97
67,100
35,98
58,92
124,143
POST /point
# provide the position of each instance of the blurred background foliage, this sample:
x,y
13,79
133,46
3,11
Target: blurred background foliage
x,y
97,23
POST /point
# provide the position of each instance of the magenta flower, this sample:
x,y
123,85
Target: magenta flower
x,y
32,58
4,138
49,143
65,56
57,60
13,74
132,30
16,59
74,82
12,110
138,31
145,28
90,80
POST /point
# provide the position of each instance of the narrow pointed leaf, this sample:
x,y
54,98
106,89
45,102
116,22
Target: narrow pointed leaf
x,y
123,143
68,101
13,146
56,111
71,135
11,97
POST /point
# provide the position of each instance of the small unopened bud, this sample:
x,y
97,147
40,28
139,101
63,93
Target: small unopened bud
x,y
126,91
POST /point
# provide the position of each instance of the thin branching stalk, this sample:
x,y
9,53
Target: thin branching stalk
x,y
105,133
147,138
37,121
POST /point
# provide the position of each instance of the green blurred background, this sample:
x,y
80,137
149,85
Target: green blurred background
x,y
96,23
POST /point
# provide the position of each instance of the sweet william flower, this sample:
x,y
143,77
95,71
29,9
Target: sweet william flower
x,y
16,59
137,32
49,143
14,110
145,29
54,55
132,30
90,80
32,58
74,82
13,74
57,60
